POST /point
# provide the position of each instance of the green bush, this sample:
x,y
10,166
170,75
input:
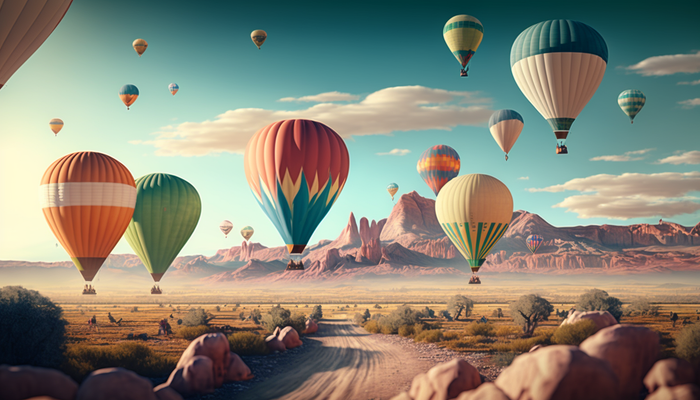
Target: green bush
x,y
247,344
574,334
481,329
316,313
81,360
403,315
193,332
508,330
371,326
196,317
688,344
432,336
358,319
406,330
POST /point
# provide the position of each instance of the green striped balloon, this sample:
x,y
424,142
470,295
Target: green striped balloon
x,y
167,211
631,102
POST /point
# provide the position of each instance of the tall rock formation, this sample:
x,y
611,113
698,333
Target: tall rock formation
x,y
371,249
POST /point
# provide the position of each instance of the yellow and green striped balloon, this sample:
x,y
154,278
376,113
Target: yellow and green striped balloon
x,y
463,34
631,102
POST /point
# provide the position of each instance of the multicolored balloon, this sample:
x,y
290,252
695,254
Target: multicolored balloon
x,y
631,102
392,189
56,125
505,127
128,94
438,165
140,46
226,227
474,211
258,36
247,232
463,34
26,24
173,87
166,213
296,169
558,66
88,199
534,242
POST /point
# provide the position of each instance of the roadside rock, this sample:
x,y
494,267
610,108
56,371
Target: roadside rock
x,y
237,370
23,382
445,381
194,377
290,338
680,392
166,393
669,372
485,391
274,344
215,346
311,326
602,319
112,384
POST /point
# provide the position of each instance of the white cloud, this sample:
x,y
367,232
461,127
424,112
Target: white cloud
x,y
628,156
689,157
402,108
323,97
395,152
690,103
693,83
524,178
668,65
630,195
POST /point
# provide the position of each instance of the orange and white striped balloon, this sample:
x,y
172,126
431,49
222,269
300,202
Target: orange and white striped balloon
x,y
88,200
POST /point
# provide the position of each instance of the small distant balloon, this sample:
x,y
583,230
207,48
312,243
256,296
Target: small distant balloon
x,y
505,127
128,94
631,102
392,189
140,46
247,232
226,226
438,165
56,125
258,36
534,242
173,87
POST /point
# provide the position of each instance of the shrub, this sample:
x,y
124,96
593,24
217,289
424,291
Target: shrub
x,y
255,315
179,321
298,322
497,313
367,315
575,333
503,359
371,326
406,330
32,328
418,328
507,330
431,336
451,335
482,329
462,344
247,344
217,308
599,300
134,309
279,317
193,332
403,315
196,317
316,312
426,313
82,360
519,345
358,319
688,344
386,329
642,307
377,306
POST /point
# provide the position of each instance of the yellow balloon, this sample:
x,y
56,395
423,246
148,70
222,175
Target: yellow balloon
x,y
258,36
474,211
140,46
463,34
56,125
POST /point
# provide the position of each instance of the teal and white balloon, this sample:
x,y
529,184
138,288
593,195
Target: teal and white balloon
x,y
505,127
558,65
631,102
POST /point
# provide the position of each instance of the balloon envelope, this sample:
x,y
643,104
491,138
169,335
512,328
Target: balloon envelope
x,y
173,87
166,213
247,232
505,127
258,36
631,102
474,211
392,189
534,242
140,46
463,34
438,165
296,169
128,94
88,199
226,226
56,125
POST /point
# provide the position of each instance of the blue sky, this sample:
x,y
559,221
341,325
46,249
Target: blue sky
x,y
368,52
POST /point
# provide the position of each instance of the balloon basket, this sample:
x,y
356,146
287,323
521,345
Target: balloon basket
x,y
295,266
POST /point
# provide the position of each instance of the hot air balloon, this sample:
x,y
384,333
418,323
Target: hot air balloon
x,y
226,226
25,26
558,66
463,34
56,125
140,46
438,165
88,199
474,211
296,169
534,242
505,127
258,36
392,189
128,94
173,87
631,102
247,232
167,211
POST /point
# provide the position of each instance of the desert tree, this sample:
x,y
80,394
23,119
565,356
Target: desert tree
x,y
600,300
529,310
459,304
642,306
316,313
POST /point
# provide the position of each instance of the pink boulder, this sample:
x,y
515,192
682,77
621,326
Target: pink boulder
x,y
485,391
669,372
23,382
195,377
630,350
166,393
276,333
215,346
311,326
558,372
237,370
445,381
402,396
602,319
290,338
680,392
274,344
112,384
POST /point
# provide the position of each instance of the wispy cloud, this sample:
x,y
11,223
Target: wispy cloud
x,y
692,83
690,103
323,97
689,157
667,65
395,152
394,109
630,195
524,178
628,156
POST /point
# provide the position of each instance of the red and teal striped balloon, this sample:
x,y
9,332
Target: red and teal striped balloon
x,y
438,165
534,242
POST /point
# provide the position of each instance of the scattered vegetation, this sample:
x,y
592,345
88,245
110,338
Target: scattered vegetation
x,y
459,305
281,317
197,317
529,310
316,313
643,307
82,360
497,313
403,315
507,330
429,336
193,332
688,344
574,334
599,300
247,344
481,329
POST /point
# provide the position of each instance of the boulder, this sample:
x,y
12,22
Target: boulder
x,y
23,382
602,319
237,370
485,391
558,372
111,384
402,396
166,393
195,377
669,372
274,344
289,337
445,381
215,346
680,392
630,350
311,326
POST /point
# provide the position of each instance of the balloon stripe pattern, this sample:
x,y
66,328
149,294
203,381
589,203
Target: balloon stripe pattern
x,y
88,199
631,102
247,232
166,214
296,170
56,125
173,87
558,66
128,94
140,46
534,242
226,226
438,165
463,34
505,127
26,24
258,37
392,189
